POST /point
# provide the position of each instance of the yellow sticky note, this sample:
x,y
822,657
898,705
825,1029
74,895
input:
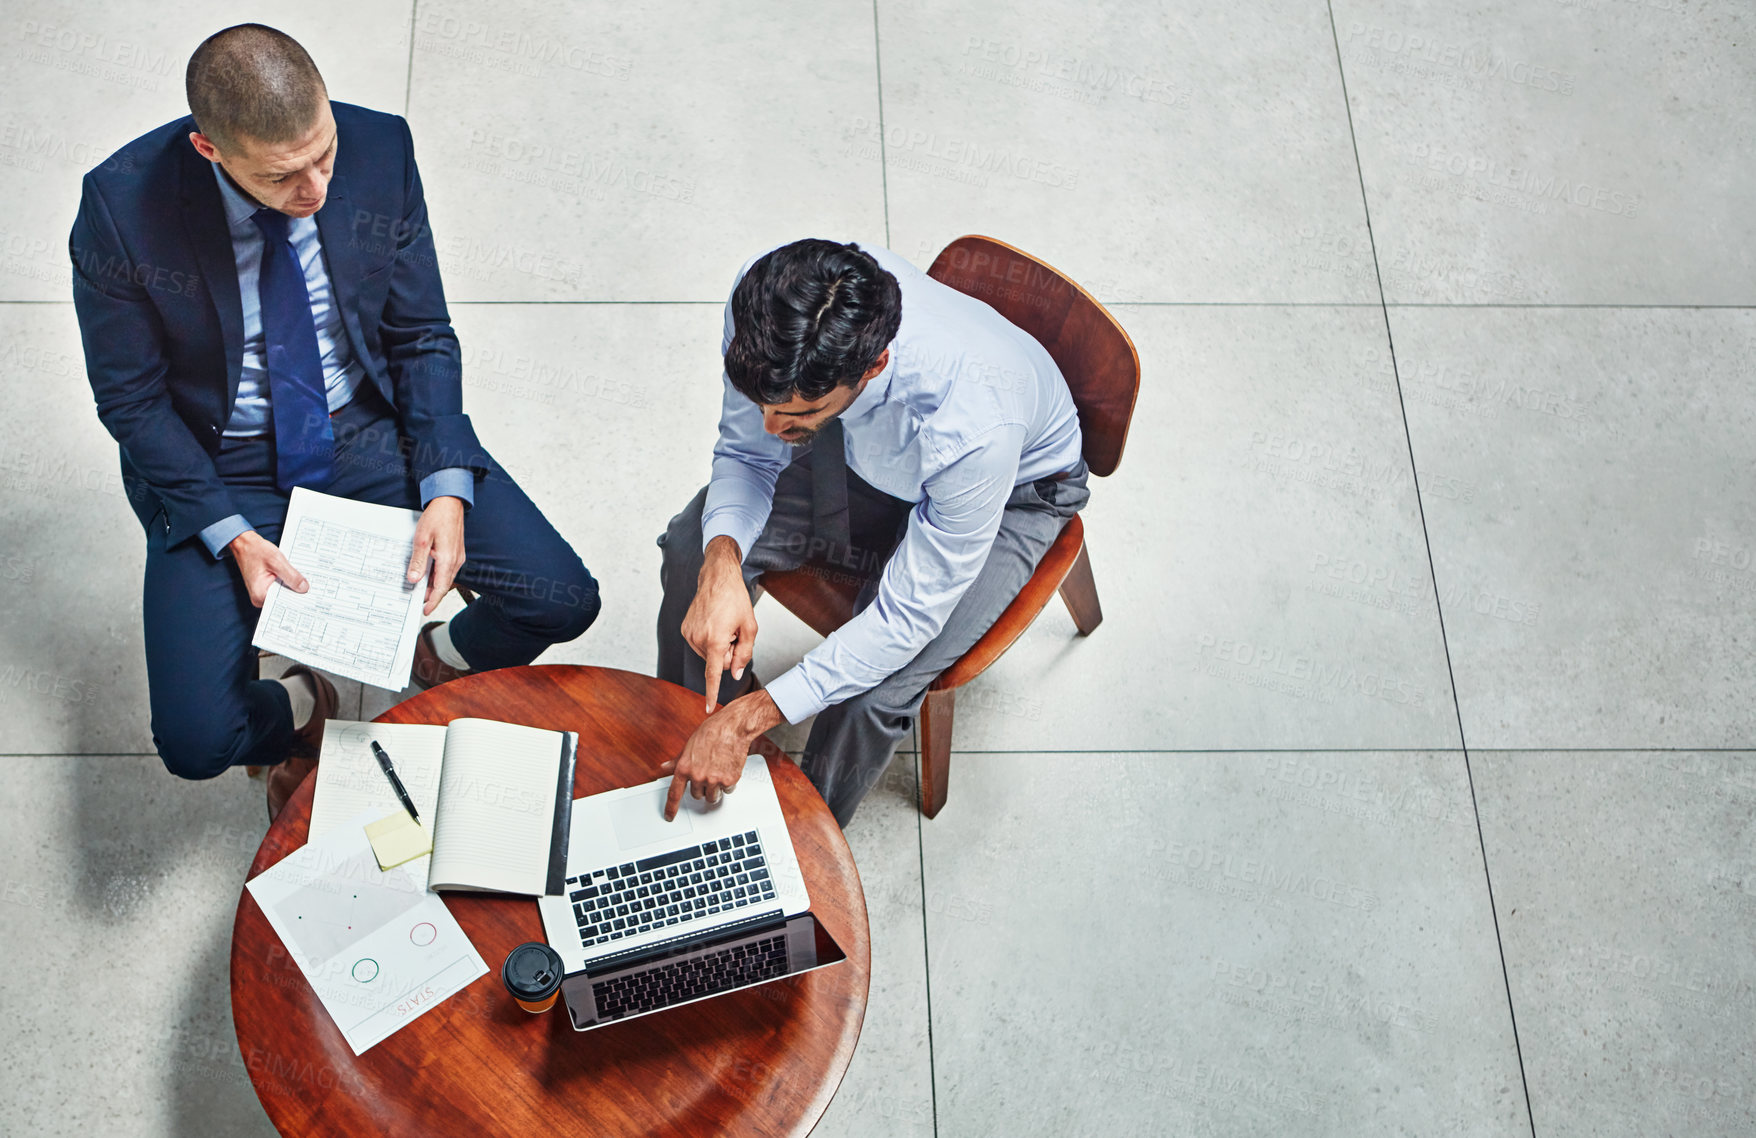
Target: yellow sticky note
x,y
398,838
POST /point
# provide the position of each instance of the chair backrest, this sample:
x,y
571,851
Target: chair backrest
x,y
1095,355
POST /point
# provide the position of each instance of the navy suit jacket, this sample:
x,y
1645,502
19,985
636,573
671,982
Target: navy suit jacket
x,y
155,285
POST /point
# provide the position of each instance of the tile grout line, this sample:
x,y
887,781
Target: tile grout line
x,y
883,163
408,79
1426,539
920,856
920,851
1316,750
1141,751
1166,303
1412,304
926,952
1320,750
1565,304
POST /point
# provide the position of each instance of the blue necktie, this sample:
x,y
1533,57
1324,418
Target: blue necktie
x,y
304,441
829,489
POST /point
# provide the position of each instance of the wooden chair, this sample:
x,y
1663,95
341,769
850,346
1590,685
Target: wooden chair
x,y
1103,372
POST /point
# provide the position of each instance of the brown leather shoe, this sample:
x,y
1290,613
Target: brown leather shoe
x,y
285,777
429,670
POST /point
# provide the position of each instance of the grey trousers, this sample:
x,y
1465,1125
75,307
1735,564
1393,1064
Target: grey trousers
x,y
851,743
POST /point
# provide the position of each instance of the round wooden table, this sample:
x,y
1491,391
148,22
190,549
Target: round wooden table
x,y
764,1061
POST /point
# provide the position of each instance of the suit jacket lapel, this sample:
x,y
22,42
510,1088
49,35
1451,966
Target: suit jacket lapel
x,y
335,232
204,219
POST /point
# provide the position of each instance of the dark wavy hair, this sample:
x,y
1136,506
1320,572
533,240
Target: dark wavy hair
x,y
809,317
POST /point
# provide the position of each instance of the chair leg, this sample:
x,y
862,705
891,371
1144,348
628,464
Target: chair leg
x,y
1080,593
936,719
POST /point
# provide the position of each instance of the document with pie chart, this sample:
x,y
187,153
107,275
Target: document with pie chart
x,y
377,946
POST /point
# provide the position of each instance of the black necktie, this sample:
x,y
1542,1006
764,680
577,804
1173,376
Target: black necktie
x,y
829,489
304,440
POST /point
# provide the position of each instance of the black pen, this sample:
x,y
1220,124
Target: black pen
x,y
396,783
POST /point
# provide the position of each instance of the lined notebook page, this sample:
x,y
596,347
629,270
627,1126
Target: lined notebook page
x,y
350,780
497,795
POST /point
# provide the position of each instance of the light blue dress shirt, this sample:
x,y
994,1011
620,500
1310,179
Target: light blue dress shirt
x,y
342,375
968,407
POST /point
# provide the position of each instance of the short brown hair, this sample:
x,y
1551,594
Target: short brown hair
x,y
252,81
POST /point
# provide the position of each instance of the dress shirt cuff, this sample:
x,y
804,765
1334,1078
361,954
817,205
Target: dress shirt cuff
x,y
222,533
451,482
728,523
792,694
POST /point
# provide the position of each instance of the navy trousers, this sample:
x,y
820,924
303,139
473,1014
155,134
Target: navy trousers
x,y
209,711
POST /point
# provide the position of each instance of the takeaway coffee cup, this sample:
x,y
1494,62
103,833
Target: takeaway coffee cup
x,y
532,973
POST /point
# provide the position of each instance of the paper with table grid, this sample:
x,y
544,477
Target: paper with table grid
x,y
377,946
360,617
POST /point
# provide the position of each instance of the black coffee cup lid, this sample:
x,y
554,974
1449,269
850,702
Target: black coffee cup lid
x,y
532,971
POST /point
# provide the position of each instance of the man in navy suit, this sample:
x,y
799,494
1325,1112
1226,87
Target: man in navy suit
x,y
261,309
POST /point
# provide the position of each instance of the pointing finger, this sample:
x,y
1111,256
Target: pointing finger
x,y
715,662
675,797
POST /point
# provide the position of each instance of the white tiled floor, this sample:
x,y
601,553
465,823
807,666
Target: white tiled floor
x,y
1407,788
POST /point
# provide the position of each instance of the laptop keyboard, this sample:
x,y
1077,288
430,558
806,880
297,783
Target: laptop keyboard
x,y
703,975
714,877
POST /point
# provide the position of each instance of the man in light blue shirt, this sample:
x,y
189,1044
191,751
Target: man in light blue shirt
x,y
944,459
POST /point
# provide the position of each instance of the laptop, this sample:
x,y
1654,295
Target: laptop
x,y
658,914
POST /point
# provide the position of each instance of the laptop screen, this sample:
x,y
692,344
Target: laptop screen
x,y
709,966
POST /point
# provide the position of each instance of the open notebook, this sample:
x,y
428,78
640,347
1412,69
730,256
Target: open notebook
x,y
497,797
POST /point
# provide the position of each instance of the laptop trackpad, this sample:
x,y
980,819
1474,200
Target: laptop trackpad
x,y
640,819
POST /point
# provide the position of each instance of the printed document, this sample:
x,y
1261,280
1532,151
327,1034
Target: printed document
x,y
377,946
361,616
